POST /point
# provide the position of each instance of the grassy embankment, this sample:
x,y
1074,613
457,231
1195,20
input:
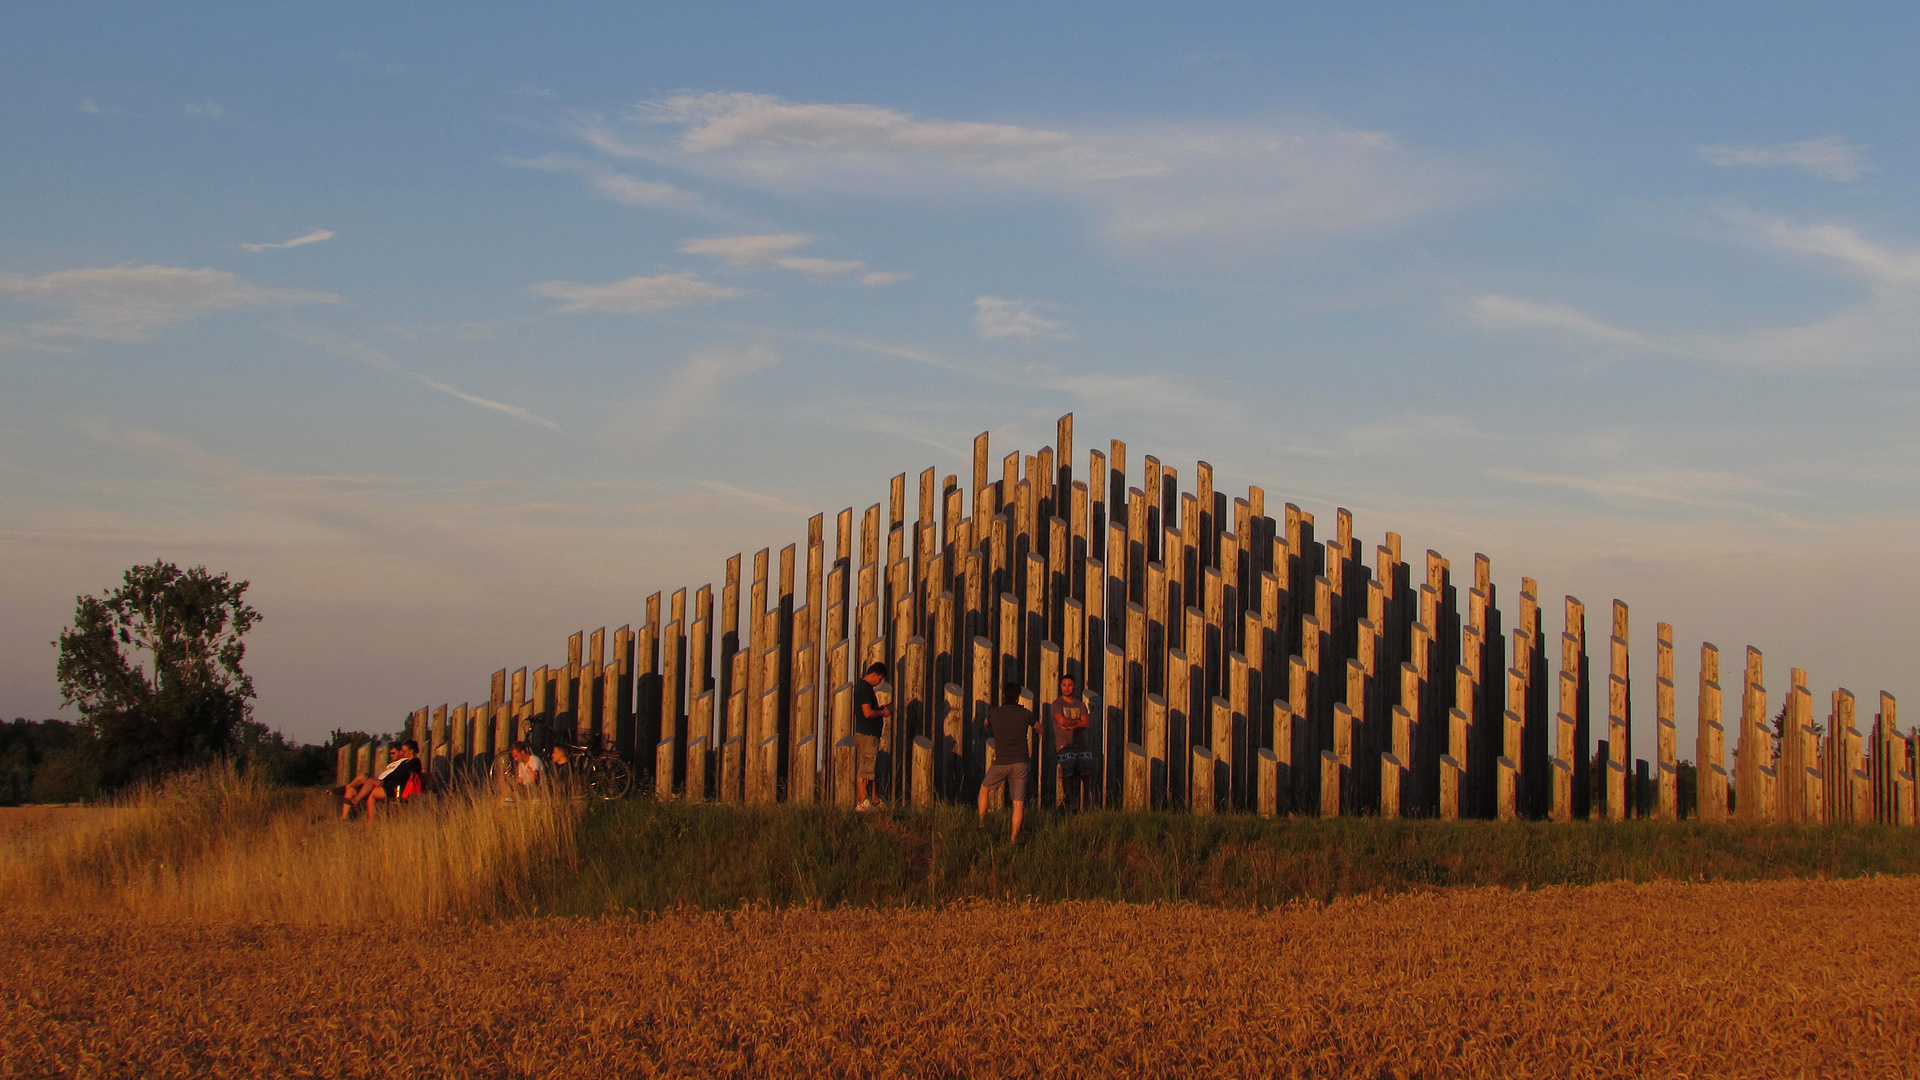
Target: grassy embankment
x,y
222,846
643,855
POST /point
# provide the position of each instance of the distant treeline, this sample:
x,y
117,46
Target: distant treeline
x,y
60,761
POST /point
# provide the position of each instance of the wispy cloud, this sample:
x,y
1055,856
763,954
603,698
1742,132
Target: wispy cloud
x,y
752,252
618,186
636,295
688,394
770,502
995,318
1695,488
313,237
207,109
1166,187
1829,157
1884,326
132,303
358,352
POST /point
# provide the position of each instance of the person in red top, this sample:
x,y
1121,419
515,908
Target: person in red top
x,y
1073,750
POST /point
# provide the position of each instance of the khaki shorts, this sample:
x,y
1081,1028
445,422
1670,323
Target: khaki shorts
x,y
866,752
1013,774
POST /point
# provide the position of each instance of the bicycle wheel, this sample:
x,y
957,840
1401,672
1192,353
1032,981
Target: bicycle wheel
x,y
499,771
608,777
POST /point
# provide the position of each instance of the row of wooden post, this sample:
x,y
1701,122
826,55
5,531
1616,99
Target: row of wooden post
x,y
1233,661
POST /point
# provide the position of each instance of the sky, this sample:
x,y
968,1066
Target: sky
x,y
457,328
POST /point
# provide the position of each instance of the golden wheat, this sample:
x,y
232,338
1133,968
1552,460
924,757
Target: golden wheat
x,y
1658,980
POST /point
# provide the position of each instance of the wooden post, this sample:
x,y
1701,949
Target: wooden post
x,y
1615,780
1329,784
1753,765
1667,737
1619,718
1112,721
1137,780
1044,787
984,693
1205,774
1574,661
1154,743
1287,751
923,783
1391,772
1710,742
1452,775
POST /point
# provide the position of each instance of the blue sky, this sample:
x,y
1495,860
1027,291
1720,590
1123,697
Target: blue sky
x,y
457,329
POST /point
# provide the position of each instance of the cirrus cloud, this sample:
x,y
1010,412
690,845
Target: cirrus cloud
x,y
650,295
775,250
1882,326
1829,157
994,317
127,304
1183,190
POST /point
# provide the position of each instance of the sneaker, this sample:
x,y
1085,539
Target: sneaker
x,y
865,805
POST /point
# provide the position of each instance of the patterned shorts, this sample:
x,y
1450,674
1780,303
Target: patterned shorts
x,y
1075,762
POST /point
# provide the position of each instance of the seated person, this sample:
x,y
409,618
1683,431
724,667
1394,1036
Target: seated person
x,y
399,779
527,773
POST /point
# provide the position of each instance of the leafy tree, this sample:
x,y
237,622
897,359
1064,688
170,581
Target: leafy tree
x,y
154,668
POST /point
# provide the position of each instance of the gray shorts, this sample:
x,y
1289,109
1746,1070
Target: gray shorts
x,y
1013,774
866,752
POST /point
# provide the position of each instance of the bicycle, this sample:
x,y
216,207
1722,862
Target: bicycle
x,y
579,769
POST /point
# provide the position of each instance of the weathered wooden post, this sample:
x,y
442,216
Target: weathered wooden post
x,y
1286,751
1506,787
1753,764
923,783
1204,774
1710,802
950,760
699,768
1136,783
1154,741
1667,737
1329,784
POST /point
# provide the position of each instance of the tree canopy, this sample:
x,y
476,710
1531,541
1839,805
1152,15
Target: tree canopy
x,y
154,667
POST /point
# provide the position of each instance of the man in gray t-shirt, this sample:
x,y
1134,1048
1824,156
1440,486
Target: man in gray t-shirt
x,y
1009,725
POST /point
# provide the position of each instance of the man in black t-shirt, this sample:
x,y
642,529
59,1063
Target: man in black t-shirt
x,y
869,723
1008,725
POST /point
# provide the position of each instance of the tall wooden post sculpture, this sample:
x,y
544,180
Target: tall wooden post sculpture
x,y
1230,660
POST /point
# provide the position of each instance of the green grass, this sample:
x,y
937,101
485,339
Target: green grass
x,y
641,855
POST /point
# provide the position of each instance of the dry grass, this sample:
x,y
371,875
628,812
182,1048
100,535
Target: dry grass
x,y
1798,978
222,846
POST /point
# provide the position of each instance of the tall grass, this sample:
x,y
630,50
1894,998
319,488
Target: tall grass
x,y
642,855
219,845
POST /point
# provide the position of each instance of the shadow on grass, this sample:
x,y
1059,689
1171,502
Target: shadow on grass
x,y
642,855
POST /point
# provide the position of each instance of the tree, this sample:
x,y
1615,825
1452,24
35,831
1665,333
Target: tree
x,y
154,668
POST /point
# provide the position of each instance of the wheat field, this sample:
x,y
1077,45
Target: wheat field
x,y
1797,978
